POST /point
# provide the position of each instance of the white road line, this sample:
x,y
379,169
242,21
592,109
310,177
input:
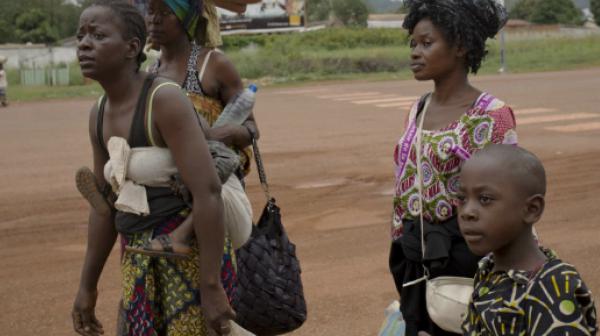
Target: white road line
x,y
345,95
534,110
589,126
387,100
402,104
552,118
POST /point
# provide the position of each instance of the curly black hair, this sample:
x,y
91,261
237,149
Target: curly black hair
x,y
467,23
133,21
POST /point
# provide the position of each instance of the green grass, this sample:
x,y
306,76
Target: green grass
x,y
33,93
344,54
282,65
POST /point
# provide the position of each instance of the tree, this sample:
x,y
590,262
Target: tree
x,y
556,11
547,12
33,26
318,10
595,8
523,10
351,12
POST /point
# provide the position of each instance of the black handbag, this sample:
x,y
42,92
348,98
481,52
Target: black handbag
x,y
269,299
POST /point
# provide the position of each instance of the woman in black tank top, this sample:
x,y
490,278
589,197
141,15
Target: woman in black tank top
x,y
111,38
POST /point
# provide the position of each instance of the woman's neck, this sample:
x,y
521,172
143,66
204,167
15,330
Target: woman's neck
x,y
452,87
522,254
176,51
119,86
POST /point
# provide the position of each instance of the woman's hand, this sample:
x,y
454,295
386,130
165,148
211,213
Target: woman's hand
x,y
227,134
84,318
216,310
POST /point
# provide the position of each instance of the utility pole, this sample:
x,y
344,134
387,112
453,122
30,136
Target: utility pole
x,y
502,47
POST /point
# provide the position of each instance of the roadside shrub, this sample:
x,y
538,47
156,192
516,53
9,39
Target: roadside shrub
x,y
595,8
353,13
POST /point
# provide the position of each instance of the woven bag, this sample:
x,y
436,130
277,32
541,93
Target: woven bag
x,y
269,299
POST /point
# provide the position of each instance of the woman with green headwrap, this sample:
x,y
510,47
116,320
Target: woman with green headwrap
x,y
186,31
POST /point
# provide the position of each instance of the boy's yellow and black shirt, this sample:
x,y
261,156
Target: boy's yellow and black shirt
x,y
551,301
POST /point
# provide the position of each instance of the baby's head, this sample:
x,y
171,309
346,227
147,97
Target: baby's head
x,y
501,195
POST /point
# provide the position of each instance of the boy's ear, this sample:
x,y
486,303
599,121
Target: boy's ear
x,y
534,208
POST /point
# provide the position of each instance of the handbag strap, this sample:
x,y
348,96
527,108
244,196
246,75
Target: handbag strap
x,y
419,135
262,176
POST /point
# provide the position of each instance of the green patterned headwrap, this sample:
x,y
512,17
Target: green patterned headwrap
x,y
188,12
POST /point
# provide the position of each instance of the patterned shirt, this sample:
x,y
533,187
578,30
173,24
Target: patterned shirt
x,y
551,301
443,151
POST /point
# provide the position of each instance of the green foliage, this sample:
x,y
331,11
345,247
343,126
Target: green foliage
x,y
61,19
547,12
5,31
595,8
318,10
33,26
523,10
353,13
328,39
556,11
345,52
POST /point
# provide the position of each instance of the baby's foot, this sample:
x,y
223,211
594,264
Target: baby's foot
x,y
88,187
163,246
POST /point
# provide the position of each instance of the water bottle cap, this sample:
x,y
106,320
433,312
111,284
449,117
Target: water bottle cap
x,y
253,87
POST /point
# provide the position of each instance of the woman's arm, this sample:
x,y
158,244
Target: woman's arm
x,y
101,239
176,123
229,84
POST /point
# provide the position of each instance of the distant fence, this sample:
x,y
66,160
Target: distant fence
x,y
49,76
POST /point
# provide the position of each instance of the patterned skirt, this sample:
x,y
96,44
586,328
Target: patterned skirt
x,y
161,295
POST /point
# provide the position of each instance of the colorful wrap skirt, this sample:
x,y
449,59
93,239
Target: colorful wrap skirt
x,y
161,295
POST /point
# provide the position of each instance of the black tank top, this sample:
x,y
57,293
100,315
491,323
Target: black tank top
x,y
163,202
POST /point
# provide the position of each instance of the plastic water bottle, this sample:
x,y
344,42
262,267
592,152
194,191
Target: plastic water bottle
x,y
239,108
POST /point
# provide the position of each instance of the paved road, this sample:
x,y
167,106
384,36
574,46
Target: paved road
x,y
328,150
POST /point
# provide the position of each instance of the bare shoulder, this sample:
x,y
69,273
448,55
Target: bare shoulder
x,y
168,101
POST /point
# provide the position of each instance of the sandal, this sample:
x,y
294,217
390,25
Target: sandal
x,y
166,250
88,187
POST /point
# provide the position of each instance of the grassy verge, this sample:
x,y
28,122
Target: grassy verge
x,y
33,93
340,54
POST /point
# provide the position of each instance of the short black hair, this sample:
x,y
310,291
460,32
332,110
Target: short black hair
x,y
466,23
133,21
523,166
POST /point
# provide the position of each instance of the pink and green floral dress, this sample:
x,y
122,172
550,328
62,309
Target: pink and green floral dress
x,y
490,120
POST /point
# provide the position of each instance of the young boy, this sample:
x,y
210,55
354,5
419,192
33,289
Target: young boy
x,y
520,288
3,85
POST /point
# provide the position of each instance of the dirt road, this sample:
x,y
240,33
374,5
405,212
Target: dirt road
x,y
328,151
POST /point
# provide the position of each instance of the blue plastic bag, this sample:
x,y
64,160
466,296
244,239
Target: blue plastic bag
x,y
393,325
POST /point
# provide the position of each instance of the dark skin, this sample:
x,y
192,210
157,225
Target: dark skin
x,y
220,81
496,213
434,58
108,57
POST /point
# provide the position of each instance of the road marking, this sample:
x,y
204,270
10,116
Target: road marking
x,y
402,104
552,118
386,100
348,95
534,110
589,126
